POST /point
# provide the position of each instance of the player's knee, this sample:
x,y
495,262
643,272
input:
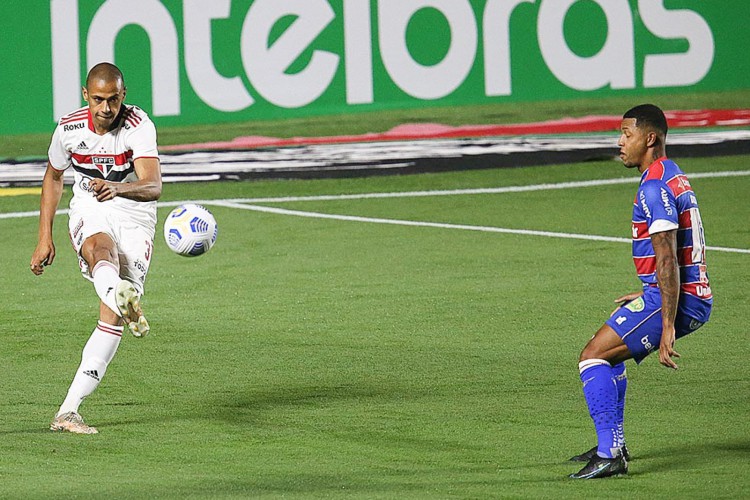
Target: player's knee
x,y
589,353
96,249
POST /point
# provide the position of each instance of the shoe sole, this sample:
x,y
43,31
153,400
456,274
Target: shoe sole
x,y
58,427
130,308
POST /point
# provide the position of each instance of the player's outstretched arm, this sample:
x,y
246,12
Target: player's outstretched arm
x,y
668,276
52,188
146,188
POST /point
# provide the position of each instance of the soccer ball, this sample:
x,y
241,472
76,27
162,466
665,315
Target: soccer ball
x,y
190,230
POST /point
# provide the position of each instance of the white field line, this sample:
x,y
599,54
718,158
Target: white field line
x,y
458,192
397,222
244,204
440,225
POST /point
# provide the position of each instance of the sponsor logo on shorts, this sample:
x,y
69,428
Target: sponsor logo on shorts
x,y
78,228
140,265
636,305
647,344
620,320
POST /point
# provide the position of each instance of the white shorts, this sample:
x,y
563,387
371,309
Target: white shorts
x,y
134,241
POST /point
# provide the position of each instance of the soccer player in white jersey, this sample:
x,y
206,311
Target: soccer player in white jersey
x,y
112,150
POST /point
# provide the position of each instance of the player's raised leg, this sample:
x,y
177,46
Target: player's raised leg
x,y
119,295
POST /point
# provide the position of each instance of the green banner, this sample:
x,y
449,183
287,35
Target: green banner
x,y
196,62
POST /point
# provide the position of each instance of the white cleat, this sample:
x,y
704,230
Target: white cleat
x,y
71,422
129,304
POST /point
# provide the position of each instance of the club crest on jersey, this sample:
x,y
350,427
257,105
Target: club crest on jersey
x,y
636,305
103,163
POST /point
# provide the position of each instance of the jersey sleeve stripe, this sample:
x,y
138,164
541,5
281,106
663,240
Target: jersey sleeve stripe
x,y
73,118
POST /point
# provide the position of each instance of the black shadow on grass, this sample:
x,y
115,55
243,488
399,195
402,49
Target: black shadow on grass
x,y
690,456
248,406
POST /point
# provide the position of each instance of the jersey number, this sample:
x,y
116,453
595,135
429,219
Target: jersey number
x,y
699,243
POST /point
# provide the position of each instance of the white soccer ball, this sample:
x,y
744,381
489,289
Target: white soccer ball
x,y
190,230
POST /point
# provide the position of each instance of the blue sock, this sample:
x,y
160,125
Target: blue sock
x,y
621,381
600,391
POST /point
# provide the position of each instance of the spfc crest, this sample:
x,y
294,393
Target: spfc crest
x,y
104,164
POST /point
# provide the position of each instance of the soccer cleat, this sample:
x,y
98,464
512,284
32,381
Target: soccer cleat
x,y
599,467
71,422
129,304
585,457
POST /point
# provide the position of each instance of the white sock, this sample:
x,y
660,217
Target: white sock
x,y
106,277
98,352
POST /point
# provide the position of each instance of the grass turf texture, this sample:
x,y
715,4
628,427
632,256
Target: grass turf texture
x,y
35,145
311,358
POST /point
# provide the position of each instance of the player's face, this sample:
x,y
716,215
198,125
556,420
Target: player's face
x,y
105,97
633,144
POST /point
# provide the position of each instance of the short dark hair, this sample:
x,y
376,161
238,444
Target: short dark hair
x,y
104,71
649,115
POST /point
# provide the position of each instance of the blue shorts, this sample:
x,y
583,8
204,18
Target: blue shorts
x,y
638,323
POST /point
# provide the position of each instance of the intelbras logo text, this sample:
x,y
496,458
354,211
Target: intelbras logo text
x,y
354,51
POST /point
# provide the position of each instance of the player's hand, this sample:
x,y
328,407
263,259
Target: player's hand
x,y
44,255
621,301
627,298
103,190
666,349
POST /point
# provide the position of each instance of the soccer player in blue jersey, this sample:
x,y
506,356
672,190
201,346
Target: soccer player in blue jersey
x,y
669,255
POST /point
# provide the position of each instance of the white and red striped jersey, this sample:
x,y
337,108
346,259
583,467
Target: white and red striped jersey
x,y
109,156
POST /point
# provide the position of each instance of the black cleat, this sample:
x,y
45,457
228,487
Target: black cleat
x,y
585,457
602,467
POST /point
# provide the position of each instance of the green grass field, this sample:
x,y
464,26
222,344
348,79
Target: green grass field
x,y
314,358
